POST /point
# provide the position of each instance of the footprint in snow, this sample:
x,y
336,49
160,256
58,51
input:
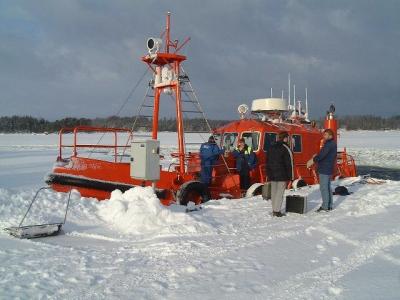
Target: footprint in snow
x,y
335,260
335,290
190,269
229,287
331,241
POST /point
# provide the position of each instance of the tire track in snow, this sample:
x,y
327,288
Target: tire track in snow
x,y
305,285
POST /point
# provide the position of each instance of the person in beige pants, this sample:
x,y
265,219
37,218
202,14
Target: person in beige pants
x,y
279,163
277,191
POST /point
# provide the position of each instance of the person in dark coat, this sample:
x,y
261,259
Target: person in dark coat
x,y
246,161
279,163
209,154
325,160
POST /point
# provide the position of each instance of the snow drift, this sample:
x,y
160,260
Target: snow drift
x,y
139,211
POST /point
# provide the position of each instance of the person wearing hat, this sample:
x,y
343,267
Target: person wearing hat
x,y
245,162
325,161
209,153
279,163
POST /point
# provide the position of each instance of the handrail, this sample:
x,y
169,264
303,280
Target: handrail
x,y
75,145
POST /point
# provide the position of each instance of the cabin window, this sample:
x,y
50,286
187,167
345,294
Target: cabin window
x,y
269,139
230,141
251,139
296,143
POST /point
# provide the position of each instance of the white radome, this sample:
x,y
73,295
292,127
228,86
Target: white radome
x,y
269,104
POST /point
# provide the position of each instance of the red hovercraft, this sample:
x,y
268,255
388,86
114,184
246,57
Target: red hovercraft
x,y
179,183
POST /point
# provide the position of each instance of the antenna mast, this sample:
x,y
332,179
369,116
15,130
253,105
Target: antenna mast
x,y
289,90
306,105
294,98
166,72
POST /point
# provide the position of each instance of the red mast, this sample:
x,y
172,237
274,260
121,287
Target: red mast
x,y
166,69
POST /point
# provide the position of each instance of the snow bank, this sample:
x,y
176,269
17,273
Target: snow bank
x,y
139,211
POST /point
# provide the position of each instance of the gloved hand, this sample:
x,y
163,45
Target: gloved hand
x,y
310,163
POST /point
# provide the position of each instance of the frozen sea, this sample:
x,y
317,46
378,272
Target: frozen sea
x,y
131,247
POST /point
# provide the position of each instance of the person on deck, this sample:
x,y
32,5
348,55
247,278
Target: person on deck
x,y
209,153
279,163
246,161
325,160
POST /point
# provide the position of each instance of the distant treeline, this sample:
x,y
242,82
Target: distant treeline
x,y
17,124
369,122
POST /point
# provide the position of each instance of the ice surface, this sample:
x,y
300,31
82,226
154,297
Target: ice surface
x,y
131,247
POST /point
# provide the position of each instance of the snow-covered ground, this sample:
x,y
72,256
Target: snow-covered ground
x,y
131,247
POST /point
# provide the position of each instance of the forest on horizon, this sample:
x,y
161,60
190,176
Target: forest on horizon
x,y
29,124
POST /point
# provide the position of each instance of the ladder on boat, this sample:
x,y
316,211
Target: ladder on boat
x,y
195,120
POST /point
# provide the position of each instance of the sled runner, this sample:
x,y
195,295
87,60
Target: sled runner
x,y
40,230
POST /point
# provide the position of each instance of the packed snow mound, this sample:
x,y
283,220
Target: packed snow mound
x,y
139,211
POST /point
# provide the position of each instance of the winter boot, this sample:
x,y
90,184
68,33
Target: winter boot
x,y
278,214
322,209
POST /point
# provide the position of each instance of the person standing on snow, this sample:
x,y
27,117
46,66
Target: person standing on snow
x,y
246,161
279,162
326,161
209,153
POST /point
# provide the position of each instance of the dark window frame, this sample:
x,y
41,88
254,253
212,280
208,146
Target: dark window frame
x,y
235,141
294,144
259,138
265,133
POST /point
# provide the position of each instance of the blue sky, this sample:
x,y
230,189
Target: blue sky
x,y
81,58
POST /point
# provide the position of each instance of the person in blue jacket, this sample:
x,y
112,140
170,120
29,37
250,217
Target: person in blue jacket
x,y
246,161
325,160
209,154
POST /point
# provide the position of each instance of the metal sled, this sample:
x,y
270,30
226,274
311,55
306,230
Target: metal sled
x,y
41,230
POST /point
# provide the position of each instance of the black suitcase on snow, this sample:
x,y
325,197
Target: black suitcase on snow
x,y
296,204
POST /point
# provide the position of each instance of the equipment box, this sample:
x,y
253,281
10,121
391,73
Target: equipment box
x,y
145,160
296,204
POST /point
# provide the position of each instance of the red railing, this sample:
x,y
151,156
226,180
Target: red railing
x,y
87,129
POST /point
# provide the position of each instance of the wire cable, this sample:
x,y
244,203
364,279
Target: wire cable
x,y
122,106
